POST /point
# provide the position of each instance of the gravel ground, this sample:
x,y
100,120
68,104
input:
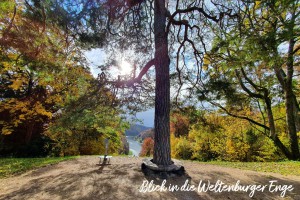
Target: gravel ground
x,y
84,178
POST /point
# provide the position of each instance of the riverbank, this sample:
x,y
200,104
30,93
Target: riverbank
x,y
134,146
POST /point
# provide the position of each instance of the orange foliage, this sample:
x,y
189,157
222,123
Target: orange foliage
x,y
179,124
147,147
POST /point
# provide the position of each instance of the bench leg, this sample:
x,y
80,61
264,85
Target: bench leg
x,y
104,160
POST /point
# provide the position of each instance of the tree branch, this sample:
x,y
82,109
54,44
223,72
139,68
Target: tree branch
x,y
251,94
138,79
240,117
296,49
200,10
249,80
10,23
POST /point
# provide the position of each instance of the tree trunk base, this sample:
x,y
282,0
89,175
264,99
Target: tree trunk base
x,y
151,169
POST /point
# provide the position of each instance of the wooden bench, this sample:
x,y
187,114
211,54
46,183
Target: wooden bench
x,y
104,157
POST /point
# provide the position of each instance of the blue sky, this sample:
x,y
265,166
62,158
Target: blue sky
x,y
147,117
97,57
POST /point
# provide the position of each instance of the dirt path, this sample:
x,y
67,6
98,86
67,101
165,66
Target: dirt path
x,y
83,178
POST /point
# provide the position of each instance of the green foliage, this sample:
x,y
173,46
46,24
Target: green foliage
x,y
12,166
246,70
84,123
130,153
261,148
283,167
6,6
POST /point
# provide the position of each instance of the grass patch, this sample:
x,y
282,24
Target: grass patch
x,y
12,166
284,168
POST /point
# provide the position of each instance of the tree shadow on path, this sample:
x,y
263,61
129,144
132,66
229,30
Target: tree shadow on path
x,y
123,179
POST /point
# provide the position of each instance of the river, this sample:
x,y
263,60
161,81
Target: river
x,y
134,146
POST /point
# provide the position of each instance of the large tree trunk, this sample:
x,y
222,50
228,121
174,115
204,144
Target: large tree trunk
x,y
162,149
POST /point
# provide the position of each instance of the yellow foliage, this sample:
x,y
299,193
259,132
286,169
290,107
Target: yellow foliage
x,y
181,147
22,117
206,62
257,4
16,85
6,65
6,130
40,110
230,147
236,151
247,23
224,138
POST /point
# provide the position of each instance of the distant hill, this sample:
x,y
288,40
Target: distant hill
x,y
136,129
144,134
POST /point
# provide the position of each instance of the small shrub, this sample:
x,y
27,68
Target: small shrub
x,y
147,147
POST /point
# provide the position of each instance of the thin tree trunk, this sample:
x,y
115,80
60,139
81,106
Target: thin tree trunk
x,y
265,96
29,131
289,103
273,134
162,148
291,124
281,76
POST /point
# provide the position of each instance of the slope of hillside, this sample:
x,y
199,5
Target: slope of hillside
x,y
144,134
135,130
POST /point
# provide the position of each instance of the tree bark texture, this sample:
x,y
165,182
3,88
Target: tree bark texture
x,y
162,148
273,134
281,76
29,132
289,103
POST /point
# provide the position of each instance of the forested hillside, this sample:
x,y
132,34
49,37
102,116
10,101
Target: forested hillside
x,y
136,129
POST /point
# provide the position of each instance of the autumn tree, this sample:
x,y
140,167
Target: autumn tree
x,y
84,123
183,118
40,70
147,147
259,55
